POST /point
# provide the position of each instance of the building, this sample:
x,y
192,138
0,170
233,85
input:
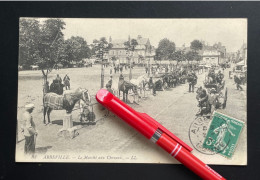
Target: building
x,y
144,52
211,57
214,55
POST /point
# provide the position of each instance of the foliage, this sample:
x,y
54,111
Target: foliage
x,y
196,45
130,44
178,56
100,47
29,31
40,43
165,49
50,43
76,49
192,56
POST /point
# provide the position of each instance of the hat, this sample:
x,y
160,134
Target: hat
x,y
29,106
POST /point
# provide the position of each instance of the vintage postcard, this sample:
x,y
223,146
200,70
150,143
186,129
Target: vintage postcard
x,y
178,71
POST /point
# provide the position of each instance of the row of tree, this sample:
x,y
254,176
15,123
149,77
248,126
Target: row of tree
x,y
167,51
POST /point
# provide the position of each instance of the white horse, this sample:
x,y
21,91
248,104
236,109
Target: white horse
x,y
141,82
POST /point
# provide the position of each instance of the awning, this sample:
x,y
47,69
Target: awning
x,y
241,63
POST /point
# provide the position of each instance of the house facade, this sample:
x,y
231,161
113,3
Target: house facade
x,y
214,55
143,53
211,57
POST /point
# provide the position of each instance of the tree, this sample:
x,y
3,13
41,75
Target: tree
x,y
41,44
165,49
29,30
130,48
101,47
196,45
50,45
191,55
76,49
178,56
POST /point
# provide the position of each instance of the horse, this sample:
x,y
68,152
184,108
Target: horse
x,y
140,82
125,86
52,101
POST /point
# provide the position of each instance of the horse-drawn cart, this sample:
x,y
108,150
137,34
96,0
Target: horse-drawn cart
x,y
217,92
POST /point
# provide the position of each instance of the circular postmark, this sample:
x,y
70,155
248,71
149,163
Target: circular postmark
x,y
214,139
197,133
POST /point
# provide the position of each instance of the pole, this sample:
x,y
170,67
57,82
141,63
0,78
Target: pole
x,y
149,67
102,71
130,72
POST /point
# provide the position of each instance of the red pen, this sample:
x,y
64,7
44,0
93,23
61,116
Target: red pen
x,y
152,130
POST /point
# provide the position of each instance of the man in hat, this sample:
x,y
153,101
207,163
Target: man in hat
x,y
29,131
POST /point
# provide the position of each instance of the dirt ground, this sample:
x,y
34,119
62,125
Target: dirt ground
x,y
174,108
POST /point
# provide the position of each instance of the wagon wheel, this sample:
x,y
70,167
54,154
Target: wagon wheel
x,y
225,100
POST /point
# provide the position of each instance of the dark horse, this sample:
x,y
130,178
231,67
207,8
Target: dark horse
x,y
52,101
125,86
56,87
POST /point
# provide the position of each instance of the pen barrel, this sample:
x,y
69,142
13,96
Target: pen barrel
x,y
187,159
126,113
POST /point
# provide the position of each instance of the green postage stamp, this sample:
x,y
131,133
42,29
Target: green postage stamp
x,y
223,134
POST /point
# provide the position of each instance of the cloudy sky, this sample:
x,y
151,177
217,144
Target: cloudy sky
x,y
230,32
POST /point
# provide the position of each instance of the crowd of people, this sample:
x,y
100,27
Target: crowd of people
x,y
210,98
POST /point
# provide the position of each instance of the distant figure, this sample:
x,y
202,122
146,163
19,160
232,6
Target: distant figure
x,y
152,86
192,79
29,130
111,69
58,78
146,69
238,82
115,69
109,85
66,81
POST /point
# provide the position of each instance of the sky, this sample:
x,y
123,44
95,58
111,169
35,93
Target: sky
x,y
230,32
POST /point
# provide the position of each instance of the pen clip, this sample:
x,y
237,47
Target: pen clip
x,y
166,131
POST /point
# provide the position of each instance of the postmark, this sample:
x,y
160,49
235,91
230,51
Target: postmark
x,y
197,133
223,134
